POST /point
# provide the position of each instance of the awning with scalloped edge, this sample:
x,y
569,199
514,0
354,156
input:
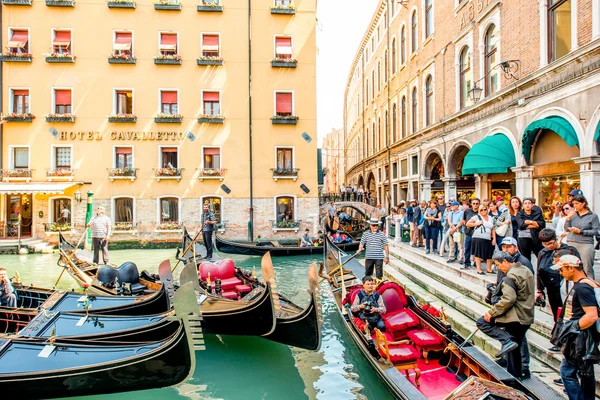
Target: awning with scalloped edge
x,y
493,155
559,125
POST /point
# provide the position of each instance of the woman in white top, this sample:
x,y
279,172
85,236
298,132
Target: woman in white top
x,y
559,221
483,239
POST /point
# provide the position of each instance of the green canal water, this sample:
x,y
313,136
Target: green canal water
x,y
244,368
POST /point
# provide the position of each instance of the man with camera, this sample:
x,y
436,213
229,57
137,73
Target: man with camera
x,y
7,295
511,316
369,305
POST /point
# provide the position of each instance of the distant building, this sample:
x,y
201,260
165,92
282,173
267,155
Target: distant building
x,y
333,160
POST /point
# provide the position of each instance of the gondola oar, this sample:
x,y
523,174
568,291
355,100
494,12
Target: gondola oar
x,y
71,256
468,338
187,248
338,267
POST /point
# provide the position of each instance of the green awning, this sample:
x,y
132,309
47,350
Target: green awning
x,y
558,125
493,155
597,134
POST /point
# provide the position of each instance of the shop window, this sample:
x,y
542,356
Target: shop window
x,y
211,103
428,100
556,188
284,104
465,77
168,44
61,42
414,46
124,102
393,55
169,102
212,157
169,157
492,80
415,165
169,209
395,170
123,157
285,159
62,101
123,209
283,48
20,157
403,46
61,212
20,101
123,43
414,110
214,205
63,157
559,28
428,18
285,208
18,41
210,45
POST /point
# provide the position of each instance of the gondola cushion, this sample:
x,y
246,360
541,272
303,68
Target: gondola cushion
x,y
393,296
402,354
360,324
222,269
230,295
399,322
230,283
424,338
242,288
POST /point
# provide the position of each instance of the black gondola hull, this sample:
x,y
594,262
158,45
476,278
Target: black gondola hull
x,y
250,249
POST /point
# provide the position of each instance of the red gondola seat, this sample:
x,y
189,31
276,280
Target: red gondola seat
x,y
402,354
427,341
224,270
398,319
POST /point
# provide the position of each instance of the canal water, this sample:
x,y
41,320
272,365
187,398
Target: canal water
x,y
248,368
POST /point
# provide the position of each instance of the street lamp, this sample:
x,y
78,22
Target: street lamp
x,y
509,68
77,196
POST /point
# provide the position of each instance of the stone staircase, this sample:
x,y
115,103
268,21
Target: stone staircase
x,y
462,292
10,246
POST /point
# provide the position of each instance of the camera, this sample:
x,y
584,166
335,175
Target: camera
x,y
540,302
491,288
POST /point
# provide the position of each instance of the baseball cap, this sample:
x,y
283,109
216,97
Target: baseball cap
x,y
509,241
576,192
567,260
454,203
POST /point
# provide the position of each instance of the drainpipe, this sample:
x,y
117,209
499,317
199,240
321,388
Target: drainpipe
x,y
251,221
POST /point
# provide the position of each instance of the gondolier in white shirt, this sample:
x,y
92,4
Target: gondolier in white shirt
x,y
101,227
378,250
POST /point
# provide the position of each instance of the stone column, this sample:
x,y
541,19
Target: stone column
x,y
524,181
589,171
388,225
450,187
425,190
398,237
481,186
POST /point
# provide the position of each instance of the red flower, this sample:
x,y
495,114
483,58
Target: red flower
x,y
85,285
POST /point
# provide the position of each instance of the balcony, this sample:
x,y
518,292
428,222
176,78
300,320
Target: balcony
x,y
211,173
55,227
284,63
125,227
122,118
167,5
121,4
163,59
16,2
168,118
60,118
60,58
285,173
60,3
211,119
16,57
285,225
169,227
279,120
283,9
14,117
121,59
168,173
204,60
60,174
17,174
122,173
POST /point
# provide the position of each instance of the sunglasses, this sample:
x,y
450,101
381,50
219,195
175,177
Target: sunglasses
x,y
475,204
483,209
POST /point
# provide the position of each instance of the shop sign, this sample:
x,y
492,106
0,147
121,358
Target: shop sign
x,y
126,136
474,8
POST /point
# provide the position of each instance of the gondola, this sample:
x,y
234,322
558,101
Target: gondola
x,y
419,356
41,367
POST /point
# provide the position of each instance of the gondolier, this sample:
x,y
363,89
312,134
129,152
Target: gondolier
x,y
208,224
101,228
376,242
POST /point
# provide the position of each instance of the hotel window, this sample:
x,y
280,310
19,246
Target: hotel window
x,y
123,157
123,102
414,33
414,114
169,209
61,43
465,77
559,28
58,213
19,41
491,61
284,208
210,45
403,117
394,56
428,18
285,159
62,157
123,209
211,103
285,3
283,48
169,102
62,101
168,157
214,205
168,44
403,46
20,157
20,101
123,43
428,100
212,157
284,104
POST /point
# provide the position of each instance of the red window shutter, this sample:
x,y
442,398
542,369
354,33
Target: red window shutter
x,y
168,39
211,96
62,38
123,38
19,36
283,42
62,97
210,40
21,92
212,151
124,150
284,103
168,97
169,150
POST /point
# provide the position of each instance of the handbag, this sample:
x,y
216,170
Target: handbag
x,y
502,230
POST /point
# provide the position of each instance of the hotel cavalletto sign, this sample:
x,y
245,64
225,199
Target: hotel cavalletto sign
x,y
125,136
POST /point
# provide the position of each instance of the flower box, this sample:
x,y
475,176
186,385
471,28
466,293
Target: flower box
x,y
60,118
60,174
211,119
60,58
278,63
209,7
122,118
289,10
16,2
121,4
211,173
168,173
167,60
121,59
277,120
122,173
18,117
16,57
57,227
285,225
280,173
168,6
60,3
209,61
20,173
123,226
168,226
168,118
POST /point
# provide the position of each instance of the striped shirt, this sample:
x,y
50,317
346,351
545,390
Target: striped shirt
x,y
100,226
205,218
374,242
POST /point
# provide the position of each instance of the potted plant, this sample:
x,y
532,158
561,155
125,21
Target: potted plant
x,y
168,59
122,118
281,62
16,57
121,4
210,119
209,60
209,6
168,118
282,8
60,3
284,120
60,118
120,58
167,5
55,57
123,226
168,226
16,117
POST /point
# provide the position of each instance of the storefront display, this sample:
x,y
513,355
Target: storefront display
x,y
555,189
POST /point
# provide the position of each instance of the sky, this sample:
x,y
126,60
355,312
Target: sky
x,y
337,19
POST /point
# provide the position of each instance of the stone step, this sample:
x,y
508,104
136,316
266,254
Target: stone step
x,y
462,281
